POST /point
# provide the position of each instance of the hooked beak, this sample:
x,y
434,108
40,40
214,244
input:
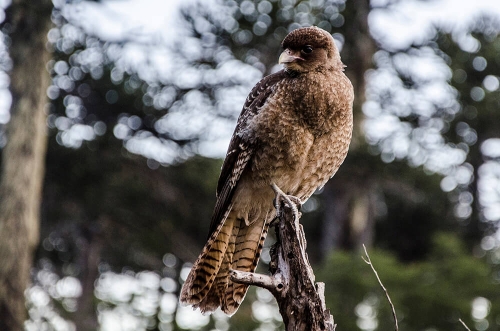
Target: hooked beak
x,y
289,56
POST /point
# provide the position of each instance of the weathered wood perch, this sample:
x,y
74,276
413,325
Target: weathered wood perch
x,y
301,301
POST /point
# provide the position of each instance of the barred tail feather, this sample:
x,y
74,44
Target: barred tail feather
x,y
234,245
215,296
248,246
204,271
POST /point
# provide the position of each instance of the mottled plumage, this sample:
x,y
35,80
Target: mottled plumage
x,y
294,131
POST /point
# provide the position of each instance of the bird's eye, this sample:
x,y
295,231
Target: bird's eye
x,y
307,49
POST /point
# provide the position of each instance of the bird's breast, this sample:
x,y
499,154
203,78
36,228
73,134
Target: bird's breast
x,y
290,155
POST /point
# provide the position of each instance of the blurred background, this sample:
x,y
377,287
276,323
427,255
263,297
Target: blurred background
x,y
143,99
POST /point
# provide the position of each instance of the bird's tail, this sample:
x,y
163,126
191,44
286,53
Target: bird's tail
x,y
233,245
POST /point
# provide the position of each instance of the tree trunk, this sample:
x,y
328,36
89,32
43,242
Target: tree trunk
x,y
23,157
85,318
339,198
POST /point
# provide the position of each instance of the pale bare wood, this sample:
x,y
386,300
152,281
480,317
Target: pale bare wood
x,y
369,262
463,323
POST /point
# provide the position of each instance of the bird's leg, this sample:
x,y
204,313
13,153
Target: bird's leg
x,y
292,201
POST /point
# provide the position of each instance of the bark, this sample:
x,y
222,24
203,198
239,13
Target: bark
x,y
23,157
300,299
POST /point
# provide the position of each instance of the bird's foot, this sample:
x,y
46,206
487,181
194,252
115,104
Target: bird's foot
x,y
292,201
295,204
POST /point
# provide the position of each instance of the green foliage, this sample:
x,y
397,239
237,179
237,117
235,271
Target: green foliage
x,y
427,295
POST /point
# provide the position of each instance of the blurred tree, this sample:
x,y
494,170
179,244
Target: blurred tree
x,y
23,156
475,76
109,213
427,295
445,121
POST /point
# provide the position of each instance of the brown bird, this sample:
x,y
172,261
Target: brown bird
x,y
294,131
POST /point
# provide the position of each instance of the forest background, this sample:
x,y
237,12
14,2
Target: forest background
x,y
138,112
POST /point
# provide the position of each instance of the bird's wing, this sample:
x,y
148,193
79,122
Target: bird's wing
x,y
241,149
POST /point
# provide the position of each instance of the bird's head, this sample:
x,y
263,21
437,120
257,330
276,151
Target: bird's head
x,y
307,49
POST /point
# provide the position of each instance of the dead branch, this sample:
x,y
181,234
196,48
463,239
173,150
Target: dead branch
x,y
300,299
463,323
369,262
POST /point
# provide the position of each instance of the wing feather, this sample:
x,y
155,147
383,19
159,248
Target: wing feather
x,y
240,151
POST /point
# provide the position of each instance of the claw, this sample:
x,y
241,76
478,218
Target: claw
x,y
295,204
292,201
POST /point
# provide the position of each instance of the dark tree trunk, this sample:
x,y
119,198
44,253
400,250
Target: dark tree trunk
x,y
344,196
85,318
358,57
23,157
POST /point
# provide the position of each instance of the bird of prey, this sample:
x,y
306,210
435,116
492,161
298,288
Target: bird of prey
x,y
294,131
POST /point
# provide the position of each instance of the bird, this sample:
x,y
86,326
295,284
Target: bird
x,y
294,132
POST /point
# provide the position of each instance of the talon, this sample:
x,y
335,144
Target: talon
x,y
276,204
296,201
292,201
283,197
